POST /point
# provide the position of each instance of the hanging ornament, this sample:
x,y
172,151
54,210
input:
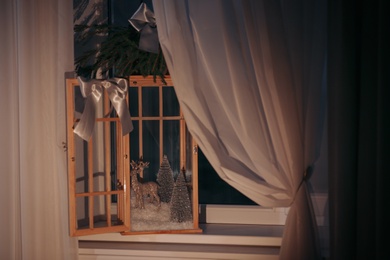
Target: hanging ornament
x,y
143,21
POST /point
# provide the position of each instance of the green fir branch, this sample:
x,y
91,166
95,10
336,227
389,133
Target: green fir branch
x,y
118,53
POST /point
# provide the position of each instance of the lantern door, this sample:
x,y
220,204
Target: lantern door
x,y
97,167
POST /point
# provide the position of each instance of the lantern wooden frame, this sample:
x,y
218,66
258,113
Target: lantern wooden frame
x,y
96,156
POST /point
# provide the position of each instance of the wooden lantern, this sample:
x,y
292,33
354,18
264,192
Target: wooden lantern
x,y
113,178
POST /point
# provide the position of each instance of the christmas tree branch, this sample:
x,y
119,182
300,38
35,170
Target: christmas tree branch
x,y
118,53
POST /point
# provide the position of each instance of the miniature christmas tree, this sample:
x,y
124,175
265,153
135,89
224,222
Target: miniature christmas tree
x,y
181,209
165,180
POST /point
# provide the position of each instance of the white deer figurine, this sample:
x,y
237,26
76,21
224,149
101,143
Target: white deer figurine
x,y
142,189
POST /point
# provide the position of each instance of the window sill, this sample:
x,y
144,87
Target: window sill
x,y
218,241
213,234
116,251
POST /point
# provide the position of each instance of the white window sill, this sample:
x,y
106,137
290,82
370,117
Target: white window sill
x,y
218,241
213,234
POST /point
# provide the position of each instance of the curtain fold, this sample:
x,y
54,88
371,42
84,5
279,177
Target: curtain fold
x,y
249,78
36,51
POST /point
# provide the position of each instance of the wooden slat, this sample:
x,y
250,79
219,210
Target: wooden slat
x,y
148,81
119,163
102,119
140,124
171,231
71,156
195,187
99,230
158,118
116,119
126,185
183,144
107,159
98,193
90,182
126,181
161,141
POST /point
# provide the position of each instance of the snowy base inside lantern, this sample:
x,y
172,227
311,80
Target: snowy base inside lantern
x,y
155,218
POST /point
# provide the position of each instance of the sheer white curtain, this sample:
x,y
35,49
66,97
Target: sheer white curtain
x,y
35,51
249,78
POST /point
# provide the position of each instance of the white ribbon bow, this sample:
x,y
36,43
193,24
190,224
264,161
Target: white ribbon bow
x,y
92,90
143,20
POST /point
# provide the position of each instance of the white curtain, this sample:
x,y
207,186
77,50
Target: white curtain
x,y
249,78
36,49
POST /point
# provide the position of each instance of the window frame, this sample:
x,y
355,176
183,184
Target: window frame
x,y
209,215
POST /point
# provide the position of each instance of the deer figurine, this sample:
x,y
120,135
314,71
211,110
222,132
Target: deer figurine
x,y
142,189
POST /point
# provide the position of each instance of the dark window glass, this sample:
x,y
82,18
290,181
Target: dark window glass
x,y
151,147
133,101
170,102
171,139
134,141
214,190
150,101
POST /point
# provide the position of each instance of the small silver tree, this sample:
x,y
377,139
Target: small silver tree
x,y
165,180
181,207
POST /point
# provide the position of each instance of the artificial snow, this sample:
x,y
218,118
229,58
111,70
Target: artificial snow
x,y
154,218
